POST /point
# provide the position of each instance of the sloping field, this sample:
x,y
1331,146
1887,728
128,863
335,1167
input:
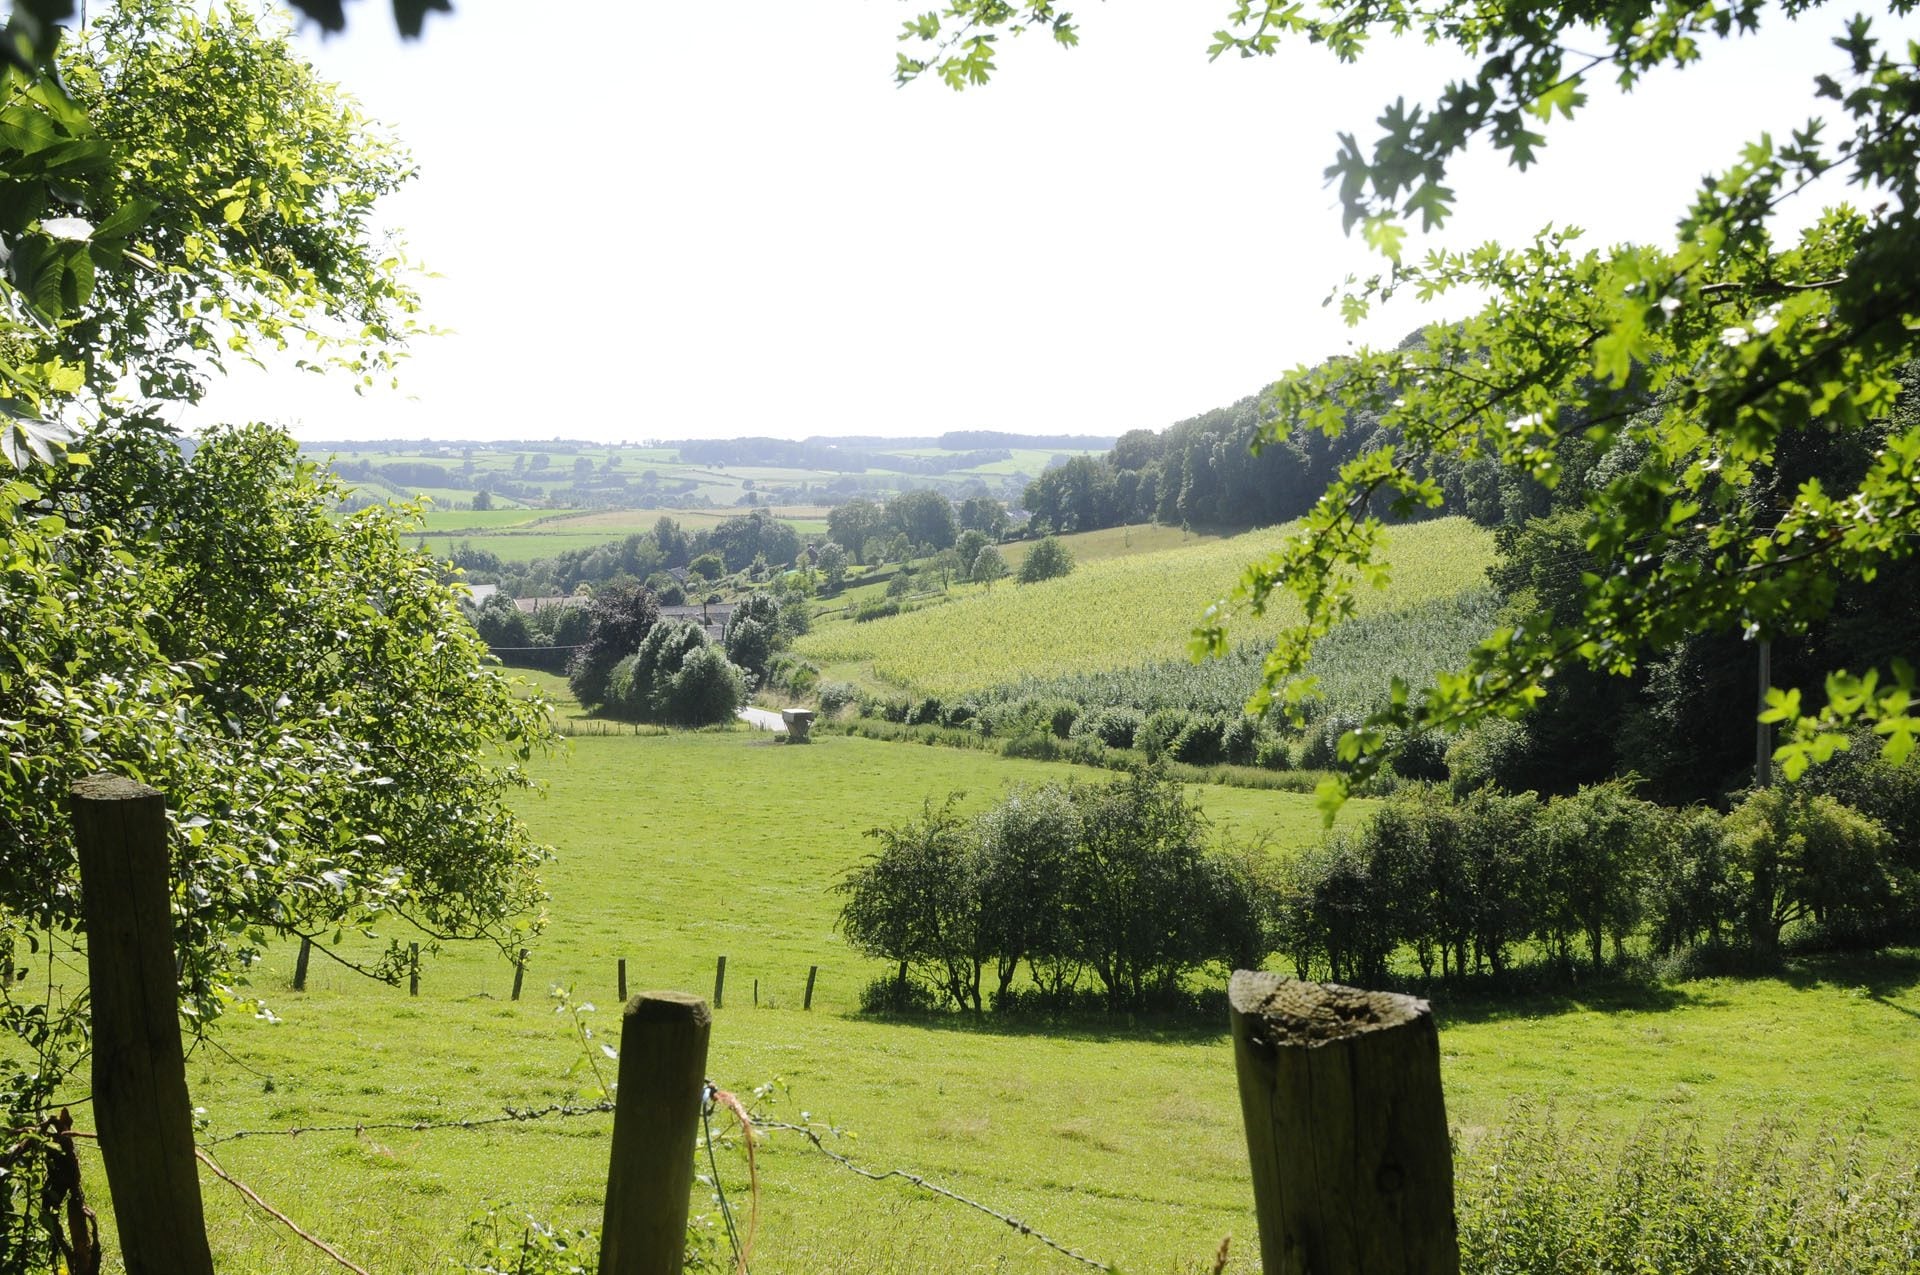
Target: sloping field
x,y
1120,1137
1116,612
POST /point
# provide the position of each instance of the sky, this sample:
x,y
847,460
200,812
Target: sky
x,y
707,221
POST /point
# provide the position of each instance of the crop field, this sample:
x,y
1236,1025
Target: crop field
x,y
1114,613
1119,1137
1352,666
1113,542
521,535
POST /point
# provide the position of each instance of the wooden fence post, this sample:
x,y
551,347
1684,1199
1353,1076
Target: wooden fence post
x,y
812,970
519,972
300,964
623,980
140,1102
719,982
663,1067
413,970
1346,1128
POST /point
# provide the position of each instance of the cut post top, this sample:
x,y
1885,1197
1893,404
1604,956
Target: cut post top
x,y
1293,1012
112,788
668,1007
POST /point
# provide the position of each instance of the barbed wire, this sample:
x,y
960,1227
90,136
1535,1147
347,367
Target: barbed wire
x,y
511,1115
812,1135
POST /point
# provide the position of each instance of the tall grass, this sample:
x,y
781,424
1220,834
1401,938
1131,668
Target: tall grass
x,y
1536,1198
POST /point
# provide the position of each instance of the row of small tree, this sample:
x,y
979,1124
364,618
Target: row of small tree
x,y
1114,880
1469,884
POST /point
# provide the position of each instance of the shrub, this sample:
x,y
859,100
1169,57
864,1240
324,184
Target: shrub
x,y
1199,742
1114,727
835,696
1320,746
957,715
1047,560
706,689
1239,739
925,712
1421,757
1159,730
1272,752
878,609
1487,754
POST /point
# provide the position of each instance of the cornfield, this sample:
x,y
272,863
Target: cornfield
x,y
1122,613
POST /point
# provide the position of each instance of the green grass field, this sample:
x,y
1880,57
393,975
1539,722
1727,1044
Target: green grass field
x,y
1114,611
521,535
1120,1138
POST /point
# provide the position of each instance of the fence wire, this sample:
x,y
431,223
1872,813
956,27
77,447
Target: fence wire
x,y
742,1246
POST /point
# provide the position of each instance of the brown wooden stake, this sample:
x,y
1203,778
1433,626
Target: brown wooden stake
x,y
719,982
756,993
300,965
140,1102
663,1067
519,972
413,970
623,980
812,970
1346,1128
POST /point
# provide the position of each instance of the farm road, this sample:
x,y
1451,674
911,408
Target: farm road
x,y
761,719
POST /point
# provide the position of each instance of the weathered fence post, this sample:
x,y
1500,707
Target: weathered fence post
x,y
300,965
719,981
623,980
140,1102
413,970
812,970
1346,1128
663,1067
519,972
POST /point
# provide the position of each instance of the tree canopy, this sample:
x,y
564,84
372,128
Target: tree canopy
x,y
1696,366
334,746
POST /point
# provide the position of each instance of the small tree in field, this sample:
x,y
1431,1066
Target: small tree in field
x,y
832,560
989,565
1047,560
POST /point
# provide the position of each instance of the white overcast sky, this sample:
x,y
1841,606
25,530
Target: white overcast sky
x,y
689,220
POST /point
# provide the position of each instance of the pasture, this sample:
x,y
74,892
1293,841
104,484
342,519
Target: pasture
x,y
1119,1137
1115,611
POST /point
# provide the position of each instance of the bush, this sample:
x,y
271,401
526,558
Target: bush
x,y
1320,746
1114,727
1160,729
878,609
1047,560
925,712
893,995
706,690
1199,743
835,696
1421,757
960,714
1487,754
1239,740
1272,752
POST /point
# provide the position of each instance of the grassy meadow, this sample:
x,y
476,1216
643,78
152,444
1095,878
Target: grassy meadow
x,y
1120,1138
1116,610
